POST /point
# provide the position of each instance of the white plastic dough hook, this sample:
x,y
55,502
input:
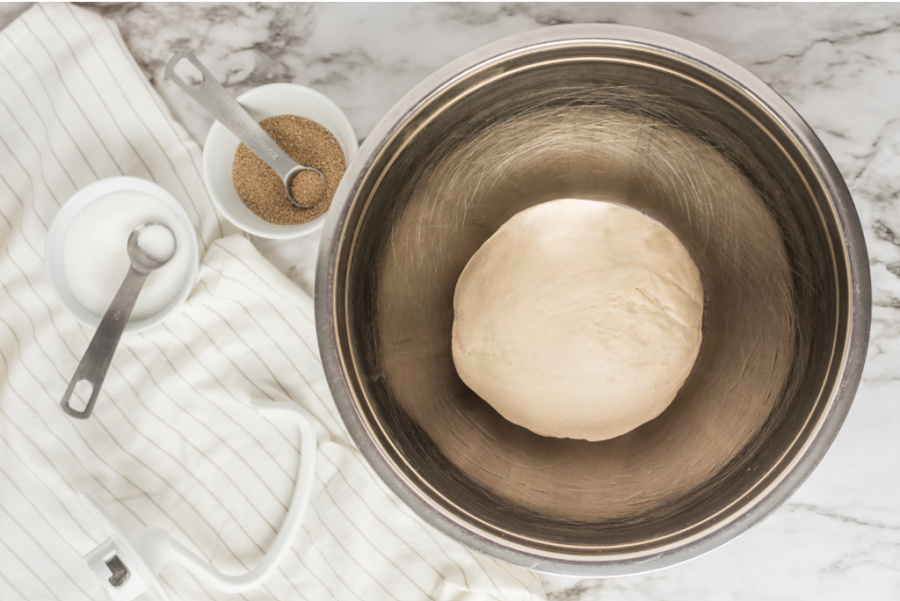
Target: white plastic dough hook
x,y
127,565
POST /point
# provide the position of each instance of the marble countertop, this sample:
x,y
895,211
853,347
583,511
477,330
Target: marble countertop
x,y
837,64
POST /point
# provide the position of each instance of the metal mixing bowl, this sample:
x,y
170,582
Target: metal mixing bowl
x,y
650,121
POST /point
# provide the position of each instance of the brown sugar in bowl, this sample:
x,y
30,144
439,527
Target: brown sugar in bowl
x,y
221,146
309,144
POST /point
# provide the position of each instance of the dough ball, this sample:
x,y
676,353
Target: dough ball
x,y
578,319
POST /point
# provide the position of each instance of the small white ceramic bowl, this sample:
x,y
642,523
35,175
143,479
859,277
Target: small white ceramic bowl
x,y
263,102
56,238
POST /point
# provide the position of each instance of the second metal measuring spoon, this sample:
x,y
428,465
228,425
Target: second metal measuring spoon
x,y
145,257
210,94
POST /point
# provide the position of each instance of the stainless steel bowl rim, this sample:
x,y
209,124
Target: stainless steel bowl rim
x,y
855,255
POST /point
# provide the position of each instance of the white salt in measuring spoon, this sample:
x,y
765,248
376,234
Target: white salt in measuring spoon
x,y
210,94
150,246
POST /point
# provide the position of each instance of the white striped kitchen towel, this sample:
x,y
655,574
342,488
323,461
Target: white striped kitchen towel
x,y
172,441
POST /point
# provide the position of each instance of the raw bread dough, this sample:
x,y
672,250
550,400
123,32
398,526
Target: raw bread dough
x,y
578,319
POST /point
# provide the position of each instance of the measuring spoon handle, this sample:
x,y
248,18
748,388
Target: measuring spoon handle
x,y
210,94
95,362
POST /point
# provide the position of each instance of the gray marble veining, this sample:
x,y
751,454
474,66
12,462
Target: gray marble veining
x,y
837,64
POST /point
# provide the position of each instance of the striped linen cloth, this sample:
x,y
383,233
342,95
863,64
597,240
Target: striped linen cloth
x,y
172,441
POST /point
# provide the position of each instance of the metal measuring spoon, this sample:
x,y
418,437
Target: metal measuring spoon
x,y
93,366
210,94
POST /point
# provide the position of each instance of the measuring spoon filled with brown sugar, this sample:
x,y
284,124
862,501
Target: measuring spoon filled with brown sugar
x,y
304,185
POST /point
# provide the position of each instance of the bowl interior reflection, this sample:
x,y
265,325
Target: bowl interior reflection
x,y
579,122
